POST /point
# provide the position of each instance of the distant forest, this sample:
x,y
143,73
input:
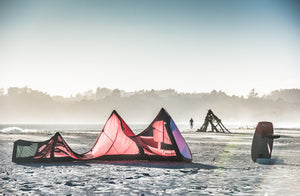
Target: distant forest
x,y
19,105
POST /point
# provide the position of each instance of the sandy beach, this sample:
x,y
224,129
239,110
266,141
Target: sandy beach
x,y
221,165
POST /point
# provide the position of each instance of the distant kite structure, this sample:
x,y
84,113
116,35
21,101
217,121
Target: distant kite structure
x,y
211,118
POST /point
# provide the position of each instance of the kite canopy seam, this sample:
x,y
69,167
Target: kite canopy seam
x,y
161,140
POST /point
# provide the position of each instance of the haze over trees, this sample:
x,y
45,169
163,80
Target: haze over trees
x,y
18,105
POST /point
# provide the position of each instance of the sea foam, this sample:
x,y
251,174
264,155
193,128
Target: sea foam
x,y
17,130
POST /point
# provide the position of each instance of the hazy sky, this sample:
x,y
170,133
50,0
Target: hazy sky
x,y
64,47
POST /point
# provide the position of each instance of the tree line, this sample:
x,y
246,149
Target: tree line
x,y
28,105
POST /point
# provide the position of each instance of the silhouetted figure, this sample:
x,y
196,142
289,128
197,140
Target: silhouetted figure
x,y
191,123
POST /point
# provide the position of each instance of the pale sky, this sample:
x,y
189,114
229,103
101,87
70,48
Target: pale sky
x,y
64,47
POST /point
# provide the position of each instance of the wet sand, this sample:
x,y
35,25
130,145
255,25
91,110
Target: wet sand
x,y
221,165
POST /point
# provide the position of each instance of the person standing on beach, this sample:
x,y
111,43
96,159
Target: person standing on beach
x,y
191,123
